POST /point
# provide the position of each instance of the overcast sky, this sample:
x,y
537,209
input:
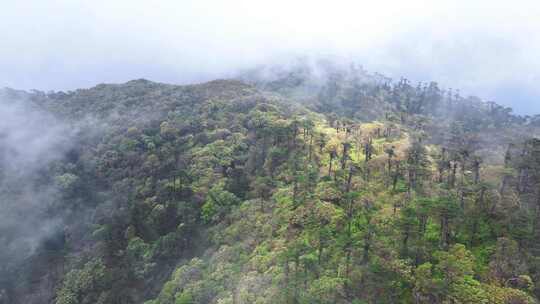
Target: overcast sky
x,y
486,48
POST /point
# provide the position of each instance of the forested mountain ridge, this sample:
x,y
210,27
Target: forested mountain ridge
x,y
327,185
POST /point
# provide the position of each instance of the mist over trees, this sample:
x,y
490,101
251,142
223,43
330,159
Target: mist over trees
x,y
317,182
32,147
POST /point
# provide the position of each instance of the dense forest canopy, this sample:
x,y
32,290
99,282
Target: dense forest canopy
x,y
311,183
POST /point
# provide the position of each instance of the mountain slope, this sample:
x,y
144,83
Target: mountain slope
x,y
325,186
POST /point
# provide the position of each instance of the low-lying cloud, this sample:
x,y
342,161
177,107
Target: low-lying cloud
x,y
486,48
30,141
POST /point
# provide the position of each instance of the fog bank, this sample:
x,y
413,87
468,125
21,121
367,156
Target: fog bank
x,y
486,48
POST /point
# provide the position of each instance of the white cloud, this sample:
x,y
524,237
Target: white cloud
x,y
480,46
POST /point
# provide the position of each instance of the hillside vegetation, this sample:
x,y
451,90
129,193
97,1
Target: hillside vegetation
x,y
308,184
